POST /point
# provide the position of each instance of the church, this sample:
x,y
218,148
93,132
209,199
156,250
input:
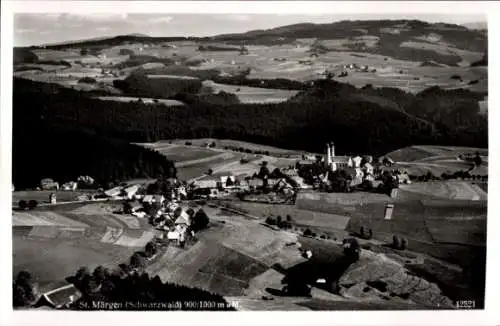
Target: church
x,y
333,162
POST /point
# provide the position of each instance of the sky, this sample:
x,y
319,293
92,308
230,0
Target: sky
x,y
44,28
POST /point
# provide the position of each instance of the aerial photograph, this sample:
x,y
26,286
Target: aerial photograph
x,y
249,162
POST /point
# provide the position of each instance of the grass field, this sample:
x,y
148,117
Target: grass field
x,y
408,75
417,153
458,190
145,100
53,260
221,143
42,196
183,154
253,94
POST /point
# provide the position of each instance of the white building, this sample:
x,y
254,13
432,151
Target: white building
x,y
131,191
336,162
368,168
357,161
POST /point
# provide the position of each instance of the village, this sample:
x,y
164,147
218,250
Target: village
x,y
165,204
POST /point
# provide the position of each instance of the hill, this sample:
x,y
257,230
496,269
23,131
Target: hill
x,y
411,40
46,148
327,111
391,37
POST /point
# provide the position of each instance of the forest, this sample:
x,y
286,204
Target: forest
x,y
44,147
368,120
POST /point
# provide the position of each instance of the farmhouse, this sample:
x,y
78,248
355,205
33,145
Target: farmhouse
x,y
255,183
227,180
368,168
131,191
149,199
113,192
206,184
69,186
49,184
59,298
291,173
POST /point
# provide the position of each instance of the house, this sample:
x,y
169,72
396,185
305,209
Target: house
x,y
356,174
134,207
69,186
60,297
49,184
300,182
173,235
159,199
147,199
131,191
255,183
370,177
368,168
291,173
224,180
357,161
113,192
243,185
403,178
206,184
306,162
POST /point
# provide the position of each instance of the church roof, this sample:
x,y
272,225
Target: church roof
x,y
340,159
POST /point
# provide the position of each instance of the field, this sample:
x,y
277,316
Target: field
x,y
419,160
458,190
252,94
290,61
417,153
42,196
221,143
194,161
183,154
143,99
53,244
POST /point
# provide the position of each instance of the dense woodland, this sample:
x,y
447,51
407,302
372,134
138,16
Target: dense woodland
x,y
367,121
47,146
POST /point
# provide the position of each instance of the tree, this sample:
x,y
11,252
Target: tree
x,y
210,171
151,249
478,160
351,249
137,260
404,244
24,290
278,220
264,171
127,207
307,232
288,218
23,204
270,220
200,220
396,242
100,273
367,185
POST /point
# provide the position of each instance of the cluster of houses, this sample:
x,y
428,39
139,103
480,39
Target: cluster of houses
x,y
82,181
211,187
357,167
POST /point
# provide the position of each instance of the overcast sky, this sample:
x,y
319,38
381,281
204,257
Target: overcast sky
x,y
34,29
